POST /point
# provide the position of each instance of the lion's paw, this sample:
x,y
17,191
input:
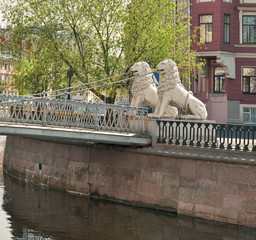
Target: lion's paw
x,y
169,116
152,115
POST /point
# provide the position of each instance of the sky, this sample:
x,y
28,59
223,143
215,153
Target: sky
x,y
2,23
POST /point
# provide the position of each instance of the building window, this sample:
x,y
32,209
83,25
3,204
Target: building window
x,y
201,80
249,80
219,80
229,1
226,28
247,1
195,85
198,1
249,29
205,24
249,115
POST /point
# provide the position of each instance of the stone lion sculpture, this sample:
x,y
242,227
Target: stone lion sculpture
x,y
144,91
171,92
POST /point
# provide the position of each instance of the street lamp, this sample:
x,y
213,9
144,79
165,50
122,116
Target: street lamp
x,y
70,73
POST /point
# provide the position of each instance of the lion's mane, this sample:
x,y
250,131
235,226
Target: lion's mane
x,y
169,80
141,83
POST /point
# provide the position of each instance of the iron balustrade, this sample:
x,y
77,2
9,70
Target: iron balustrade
x,y
64,113
8,98
207,134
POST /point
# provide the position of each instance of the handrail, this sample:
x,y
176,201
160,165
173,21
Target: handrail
x,y
64,113
207,134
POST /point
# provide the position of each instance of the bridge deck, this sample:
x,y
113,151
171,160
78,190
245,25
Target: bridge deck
x,y
75,135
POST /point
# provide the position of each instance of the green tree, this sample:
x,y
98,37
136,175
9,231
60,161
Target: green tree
x,y
96,39
158,30
51,37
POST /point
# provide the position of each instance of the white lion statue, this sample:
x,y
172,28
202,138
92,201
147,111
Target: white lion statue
x,y
172,92
144,91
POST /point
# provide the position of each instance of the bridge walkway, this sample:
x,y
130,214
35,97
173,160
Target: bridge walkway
x,y
74,135
72,121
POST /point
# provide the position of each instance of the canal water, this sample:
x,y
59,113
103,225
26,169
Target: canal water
x,y
32,213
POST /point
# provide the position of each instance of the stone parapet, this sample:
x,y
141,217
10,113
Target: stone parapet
x,y
180,179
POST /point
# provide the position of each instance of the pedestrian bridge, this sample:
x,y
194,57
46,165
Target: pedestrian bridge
x,y
78,122
72,121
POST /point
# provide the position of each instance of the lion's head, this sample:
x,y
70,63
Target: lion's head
x,y
140,68
143,78
170,78
167,66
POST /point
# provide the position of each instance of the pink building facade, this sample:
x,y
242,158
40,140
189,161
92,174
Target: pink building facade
x,y
227,82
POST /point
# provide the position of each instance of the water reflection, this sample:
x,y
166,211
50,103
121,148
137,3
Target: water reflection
x,y
35,213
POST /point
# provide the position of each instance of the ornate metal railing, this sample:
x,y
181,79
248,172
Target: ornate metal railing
x,y
207,134
72,114
4,98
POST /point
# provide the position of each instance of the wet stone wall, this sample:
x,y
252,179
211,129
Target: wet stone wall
x,y
215,190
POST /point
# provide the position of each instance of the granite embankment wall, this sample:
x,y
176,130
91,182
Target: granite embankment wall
x,y
205,184
2,147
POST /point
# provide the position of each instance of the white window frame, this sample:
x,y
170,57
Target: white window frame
x,y
199,1
220,79
242,106
244,12
247,1
205,29
227,24
243,76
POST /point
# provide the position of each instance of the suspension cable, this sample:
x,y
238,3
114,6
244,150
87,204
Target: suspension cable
x,y
31,98
79,86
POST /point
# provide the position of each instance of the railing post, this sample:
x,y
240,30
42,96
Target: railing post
x,y
97,123
142,122
229,137
206,135
222,130
214,135
192,134
177,133
185,133
246,132
44,113
253,138
164,132
199,134
238,137
170,132
151,128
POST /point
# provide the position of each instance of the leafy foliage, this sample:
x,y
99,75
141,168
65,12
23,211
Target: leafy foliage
x,y
96,39
160,30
